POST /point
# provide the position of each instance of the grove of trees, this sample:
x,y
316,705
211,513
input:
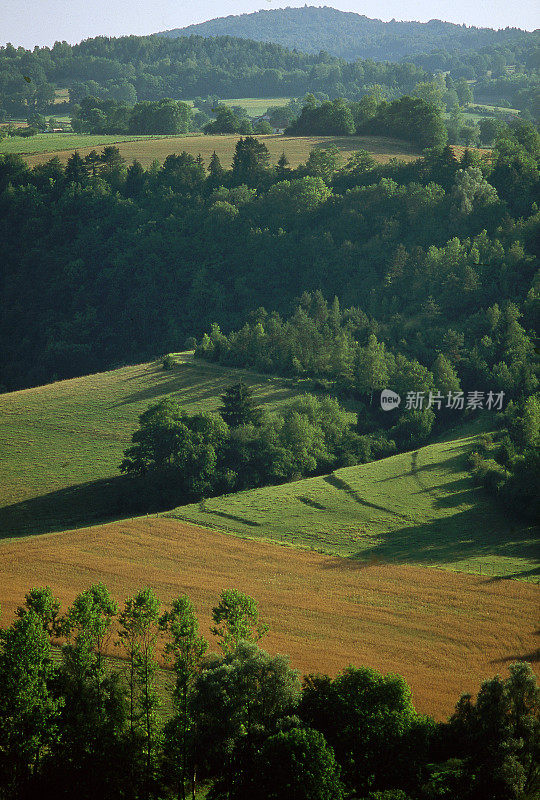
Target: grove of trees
x,y
241,722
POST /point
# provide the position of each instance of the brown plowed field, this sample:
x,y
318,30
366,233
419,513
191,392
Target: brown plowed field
x,y
444,632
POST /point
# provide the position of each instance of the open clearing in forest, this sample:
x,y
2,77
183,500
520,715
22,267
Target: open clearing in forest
x,y
296,148
444,632
61,444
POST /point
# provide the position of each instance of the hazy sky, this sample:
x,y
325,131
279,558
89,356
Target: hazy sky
x,y
42,22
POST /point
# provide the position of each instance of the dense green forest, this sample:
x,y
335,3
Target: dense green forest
x,y
151,68
240,720
351,36
106,263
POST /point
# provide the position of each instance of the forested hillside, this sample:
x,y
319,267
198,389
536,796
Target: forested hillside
x,y
151,68
351,36
142,68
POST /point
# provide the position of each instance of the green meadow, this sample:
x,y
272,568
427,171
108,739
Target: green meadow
x,y
419,508
55,142
61,444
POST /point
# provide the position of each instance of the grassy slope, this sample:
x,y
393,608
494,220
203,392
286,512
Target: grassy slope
x,y
416,508
61,444
296,148
52,142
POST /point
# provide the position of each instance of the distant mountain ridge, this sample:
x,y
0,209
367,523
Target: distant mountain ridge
x,y
348,35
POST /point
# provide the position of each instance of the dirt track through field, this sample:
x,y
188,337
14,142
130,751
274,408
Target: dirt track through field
x,y
444,632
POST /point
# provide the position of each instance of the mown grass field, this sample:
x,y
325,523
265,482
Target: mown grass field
x,y
418,508
50,143
444,632
257,106
61,444
296,148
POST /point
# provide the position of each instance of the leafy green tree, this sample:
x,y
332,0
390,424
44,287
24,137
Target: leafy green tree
x,y
368,719
185,649
215,170
250,159
47,607
237,698
136,179
89,750
76,170
263,128
28,709
186,448
236,618
282,167
138,634
238,405
499,736
296,763
226,121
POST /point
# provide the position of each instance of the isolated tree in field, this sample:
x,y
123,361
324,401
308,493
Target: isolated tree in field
x,y
239,406
138,634
236,617
28,710
185,649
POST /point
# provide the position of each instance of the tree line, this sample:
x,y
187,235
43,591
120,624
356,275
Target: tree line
x,y
239,721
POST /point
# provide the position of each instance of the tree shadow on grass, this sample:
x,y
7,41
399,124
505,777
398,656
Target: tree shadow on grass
x,y
468,534
84,504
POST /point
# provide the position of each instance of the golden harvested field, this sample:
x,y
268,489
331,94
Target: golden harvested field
x,y
296,148
443,632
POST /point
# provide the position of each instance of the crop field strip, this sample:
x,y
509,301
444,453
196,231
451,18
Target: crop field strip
x,y
296,148
444,632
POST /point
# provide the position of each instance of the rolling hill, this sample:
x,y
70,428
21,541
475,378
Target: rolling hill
x,y
337,563
61,444
418,508
347,35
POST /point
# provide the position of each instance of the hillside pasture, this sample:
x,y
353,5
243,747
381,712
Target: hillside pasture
x,y
257,106
419,508
61,444
443,632
50,143
296,148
